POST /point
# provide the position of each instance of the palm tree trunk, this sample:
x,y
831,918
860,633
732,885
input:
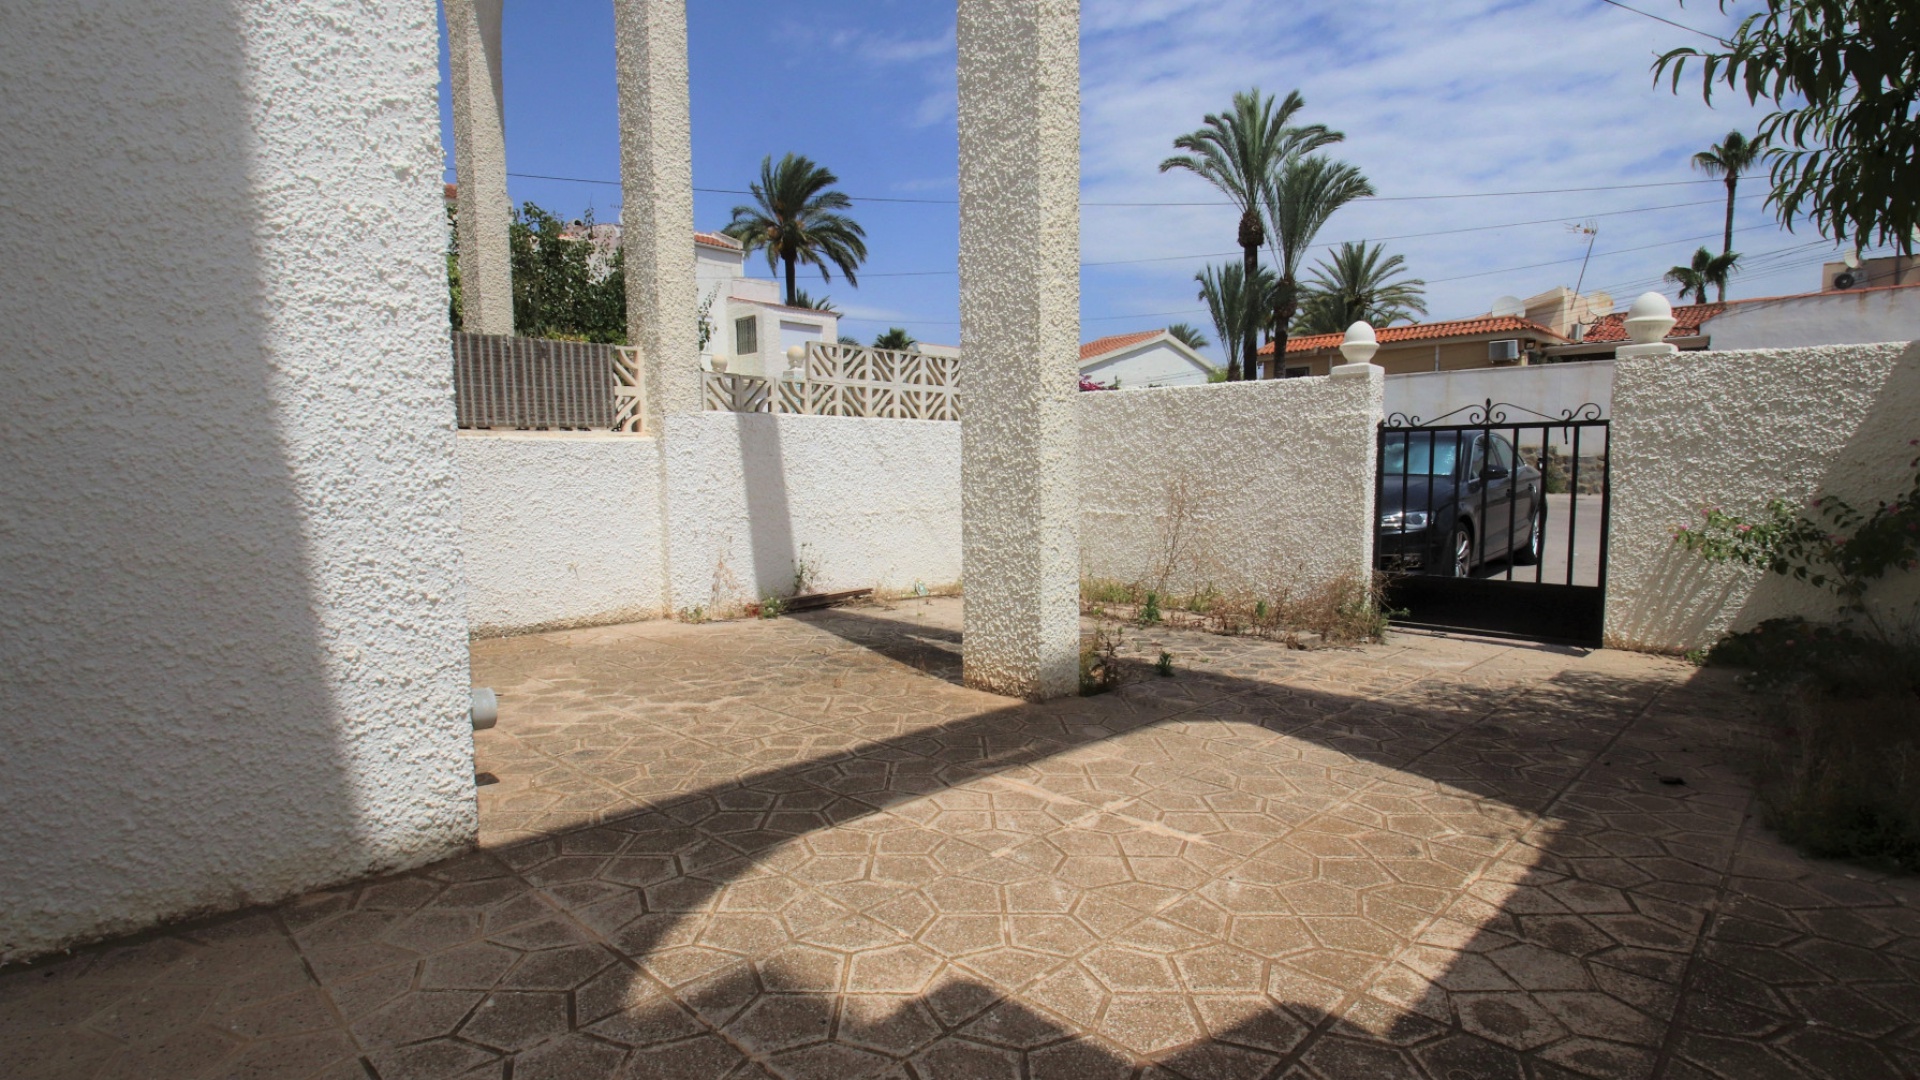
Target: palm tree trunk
x,y
1285,307
1726,242
1249,368
790,287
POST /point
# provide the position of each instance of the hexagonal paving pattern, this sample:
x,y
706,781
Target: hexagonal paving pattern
x,y
799,848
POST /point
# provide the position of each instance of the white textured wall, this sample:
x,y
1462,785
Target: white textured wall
x,y
231,604
1835,318
866,502
1734,430
560,530
1275,477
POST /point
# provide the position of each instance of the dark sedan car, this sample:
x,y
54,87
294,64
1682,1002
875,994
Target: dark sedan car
x,y
1453,500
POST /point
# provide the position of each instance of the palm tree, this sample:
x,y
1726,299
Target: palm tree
x,y
1707,269
897,339
800,299
1303,194
1237,152
796,219
1236,316
1356,284
1728,159
1189,335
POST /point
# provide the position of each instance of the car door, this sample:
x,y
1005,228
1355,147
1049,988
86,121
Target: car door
x,y
1493,498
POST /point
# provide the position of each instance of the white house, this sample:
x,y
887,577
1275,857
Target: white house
x,y
1853,317
752,329
1145,358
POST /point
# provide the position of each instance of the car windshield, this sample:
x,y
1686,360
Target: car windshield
x,y
1421,454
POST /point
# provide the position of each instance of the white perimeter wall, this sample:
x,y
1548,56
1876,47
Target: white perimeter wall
x,y
560,529
866,503
1276,478
1734,430
1836,318
1552,389
232,621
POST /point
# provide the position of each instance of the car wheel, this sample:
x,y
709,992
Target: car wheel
x,y
1529,554
1460,552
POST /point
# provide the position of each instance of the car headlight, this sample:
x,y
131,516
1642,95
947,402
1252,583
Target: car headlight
x,y
1408,519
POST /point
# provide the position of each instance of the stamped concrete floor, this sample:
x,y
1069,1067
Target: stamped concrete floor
x,y
798,848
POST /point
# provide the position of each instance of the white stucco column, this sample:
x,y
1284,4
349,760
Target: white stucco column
x,y
480,166
1020,333
656,211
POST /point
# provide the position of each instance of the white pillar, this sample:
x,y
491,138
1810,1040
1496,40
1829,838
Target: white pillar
x,y
1020,333
480,166
656,210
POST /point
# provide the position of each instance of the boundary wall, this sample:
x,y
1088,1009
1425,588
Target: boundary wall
x,y
1243,486
1734,430
1252,487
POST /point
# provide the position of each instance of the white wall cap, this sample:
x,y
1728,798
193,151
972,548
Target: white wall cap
x,y
1360,344
1649,319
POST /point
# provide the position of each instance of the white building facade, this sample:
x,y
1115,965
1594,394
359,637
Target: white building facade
x,y
1139,360
750,330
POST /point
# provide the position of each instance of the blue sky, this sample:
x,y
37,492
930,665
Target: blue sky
x,y
1466,96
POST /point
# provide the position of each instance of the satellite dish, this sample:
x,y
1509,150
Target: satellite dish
x,y
1509,305
1851,259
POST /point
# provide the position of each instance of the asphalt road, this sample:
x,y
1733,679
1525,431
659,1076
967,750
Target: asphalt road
x,y
1586,545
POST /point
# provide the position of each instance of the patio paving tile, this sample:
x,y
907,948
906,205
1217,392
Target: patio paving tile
x,y
799,848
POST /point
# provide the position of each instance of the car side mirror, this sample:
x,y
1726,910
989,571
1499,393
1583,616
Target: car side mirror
x,y
1494,472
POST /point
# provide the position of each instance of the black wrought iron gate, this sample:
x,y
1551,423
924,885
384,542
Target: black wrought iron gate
x,y
1493,519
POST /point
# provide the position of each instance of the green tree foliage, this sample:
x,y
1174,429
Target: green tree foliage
x,y
454,312
822,304
1239,152
1236,315
1189,335
897,339
1844,78
1302,194
849,339
1359,283
562,288
796,219
1706,270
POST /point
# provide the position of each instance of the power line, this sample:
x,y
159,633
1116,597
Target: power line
x,y
1368,239
1669,22
1213,202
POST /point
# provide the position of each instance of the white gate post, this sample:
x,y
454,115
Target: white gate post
x,y
1020,332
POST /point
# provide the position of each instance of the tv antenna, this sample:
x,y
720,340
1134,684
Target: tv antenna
x,y
1591,229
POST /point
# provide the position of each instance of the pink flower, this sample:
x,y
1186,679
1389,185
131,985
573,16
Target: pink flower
x,y
1788,643
1745,529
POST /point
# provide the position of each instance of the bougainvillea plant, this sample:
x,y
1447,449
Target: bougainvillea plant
x,y
1827,543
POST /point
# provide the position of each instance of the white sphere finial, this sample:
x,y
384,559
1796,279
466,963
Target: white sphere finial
x,y
1649,319
1360,344
795,354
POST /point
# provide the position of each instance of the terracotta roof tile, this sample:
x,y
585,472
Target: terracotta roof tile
x,y
1484,324
1686,323
1114,343
718,240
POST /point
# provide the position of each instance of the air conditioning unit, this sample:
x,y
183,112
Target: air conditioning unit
x,y
1844,280
1504,352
